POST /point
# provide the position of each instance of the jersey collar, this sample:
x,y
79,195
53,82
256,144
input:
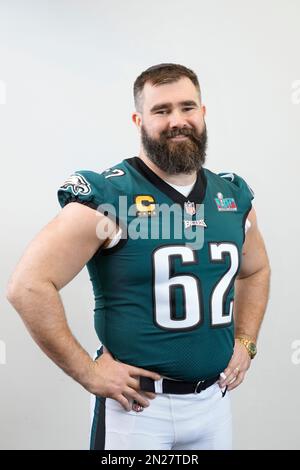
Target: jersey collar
x,y
196,195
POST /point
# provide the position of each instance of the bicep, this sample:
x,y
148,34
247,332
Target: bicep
x,y
62,248
254,255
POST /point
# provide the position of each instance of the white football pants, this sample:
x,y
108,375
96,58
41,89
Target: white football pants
x,y
171,422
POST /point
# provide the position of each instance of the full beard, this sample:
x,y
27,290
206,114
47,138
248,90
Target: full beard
x,y
174,157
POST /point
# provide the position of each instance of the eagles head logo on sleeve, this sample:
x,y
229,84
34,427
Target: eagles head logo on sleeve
x,y
78,185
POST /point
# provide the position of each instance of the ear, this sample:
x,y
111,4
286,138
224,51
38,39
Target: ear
x,y
137,119
203,107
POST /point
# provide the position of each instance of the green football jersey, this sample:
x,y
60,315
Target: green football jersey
x,y
164,293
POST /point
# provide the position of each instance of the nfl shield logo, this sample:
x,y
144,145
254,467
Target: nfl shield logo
x,y
190,208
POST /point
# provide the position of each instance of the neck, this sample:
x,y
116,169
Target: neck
x,y
180,179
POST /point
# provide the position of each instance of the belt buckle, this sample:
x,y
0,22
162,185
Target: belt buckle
x,y
196,388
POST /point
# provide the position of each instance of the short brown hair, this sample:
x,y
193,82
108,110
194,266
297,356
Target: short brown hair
x,y
159,75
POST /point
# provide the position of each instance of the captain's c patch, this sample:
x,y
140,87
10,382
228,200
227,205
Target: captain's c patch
x,y
145,205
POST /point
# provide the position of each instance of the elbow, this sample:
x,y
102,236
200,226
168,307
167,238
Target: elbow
x,y
10,292
13,292
20,290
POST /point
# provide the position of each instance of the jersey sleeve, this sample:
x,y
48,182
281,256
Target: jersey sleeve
x,y
85,187
240,183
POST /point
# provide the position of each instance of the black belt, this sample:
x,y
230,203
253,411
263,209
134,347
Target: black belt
x,y
177,386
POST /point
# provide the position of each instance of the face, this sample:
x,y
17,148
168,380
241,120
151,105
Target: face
x,y
172,126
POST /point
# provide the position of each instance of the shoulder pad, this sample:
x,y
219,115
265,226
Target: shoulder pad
x,y
239,182
82,186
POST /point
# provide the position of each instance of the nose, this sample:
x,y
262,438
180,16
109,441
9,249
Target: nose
x,y
176,119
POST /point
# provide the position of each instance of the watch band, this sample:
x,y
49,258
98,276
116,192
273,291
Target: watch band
x,y
249,344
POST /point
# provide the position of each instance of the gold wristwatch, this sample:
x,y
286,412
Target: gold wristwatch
x,y
250,346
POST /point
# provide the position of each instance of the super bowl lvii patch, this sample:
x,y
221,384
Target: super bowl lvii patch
x,y
225,203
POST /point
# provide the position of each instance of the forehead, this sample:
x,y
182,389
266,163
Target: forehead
x,y
182,90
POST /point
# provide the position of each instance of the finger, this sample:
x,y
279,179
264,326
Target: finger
x,y
123,401
133,383
232,376
228,375
150,395
136,405
137,397
226,380
237,382
143,372
223,379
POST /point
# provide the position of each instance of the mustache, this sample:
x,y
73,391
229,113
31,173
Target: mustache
x,y
179,132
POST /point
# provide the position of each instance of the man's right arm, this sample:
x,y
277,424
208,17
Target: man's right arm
x,y
52,260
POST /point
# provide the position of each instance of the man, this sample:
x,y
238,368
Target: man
x,y
163,303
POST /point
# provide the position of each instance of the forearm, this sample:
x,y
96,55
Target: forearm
x,y
42,311
251,297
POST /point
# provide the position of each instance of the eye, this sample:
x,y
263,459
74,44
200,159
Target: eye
x,y
163,111
188,108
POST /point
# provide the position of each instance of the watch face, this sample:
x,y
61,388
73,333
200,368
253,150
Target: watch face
x,y
252,349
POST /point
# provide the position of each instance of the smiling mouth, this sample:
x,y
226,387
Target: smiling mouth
x,y
179,137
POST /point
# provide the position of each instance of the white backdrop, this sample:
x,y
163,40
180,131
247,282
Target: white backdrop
x,y
66,74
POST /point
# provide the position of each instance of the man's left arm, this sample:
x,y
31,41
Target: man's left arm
x,y
250,302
